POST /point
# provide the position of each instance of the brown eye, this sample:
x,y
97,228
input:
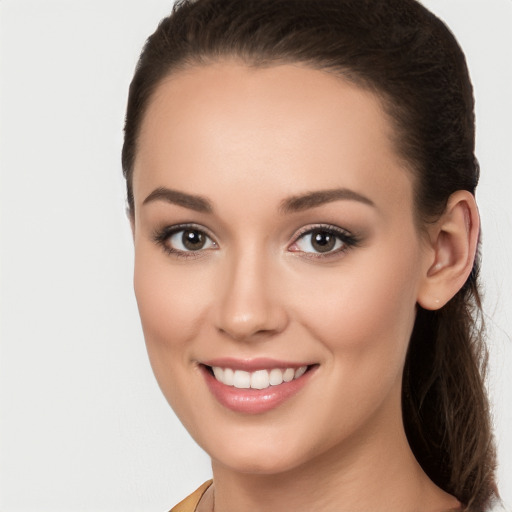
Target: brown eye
x,y
193,240
183,240
323,241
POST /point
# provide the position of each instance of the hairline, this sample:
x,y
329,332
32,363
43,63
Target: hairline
x,y
255,61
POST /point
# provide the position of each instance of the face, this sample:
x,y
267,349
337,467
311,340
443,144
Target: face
x,y
277,264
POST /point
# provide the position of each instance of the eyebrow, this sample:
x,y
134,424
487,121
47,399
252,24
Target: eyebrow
x,y
192,202
318,198
290,205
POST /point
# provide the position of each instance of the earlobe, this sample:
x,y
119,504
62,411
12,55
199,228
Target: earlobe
x,y
454,240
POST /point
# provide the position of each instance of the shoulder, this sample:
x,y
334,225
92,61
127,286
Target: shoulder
x,y
189,504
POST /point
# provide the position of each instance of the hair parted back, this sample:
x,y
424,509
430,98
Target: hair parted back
x,y
406,56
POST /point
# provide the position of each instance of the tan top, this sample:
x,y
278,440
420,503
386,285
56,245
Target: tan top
x,y
189,504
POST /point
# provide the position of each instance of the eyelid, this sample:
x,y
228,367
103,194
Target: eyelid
x,y
348,239
162,235
316,227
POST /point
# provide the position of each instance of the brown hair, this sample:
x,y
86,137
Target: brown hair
x,y
409,58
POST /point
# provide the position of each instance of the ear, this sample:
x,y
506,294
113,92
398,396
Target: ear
x,y
453,242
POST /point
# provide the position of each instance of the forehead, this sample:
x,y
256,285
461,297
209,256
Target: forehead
x,y
288,125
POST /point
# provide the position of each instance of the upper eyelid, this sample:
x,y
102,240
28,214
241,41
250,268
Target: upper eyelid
x,y
315,227
176,228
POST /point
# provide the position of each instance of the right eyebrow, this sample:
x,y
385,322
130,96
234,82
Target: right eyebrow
x,y
192,202
320,197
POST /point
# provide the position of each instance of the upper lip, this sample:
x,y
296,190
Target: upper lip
x,y
252,365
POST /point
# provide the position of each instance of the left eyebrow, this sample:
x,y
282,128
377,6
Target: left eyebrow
x,y
320,197
192,202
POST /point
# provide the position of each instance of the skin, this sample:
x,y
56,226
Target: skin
x,y
247,140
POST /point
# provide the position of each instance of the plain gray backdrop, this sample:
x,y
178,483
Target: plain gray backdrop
x,y
83,425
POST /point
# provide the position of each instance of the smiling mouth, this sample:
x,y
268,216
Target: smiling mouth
x,y
259,379
261,386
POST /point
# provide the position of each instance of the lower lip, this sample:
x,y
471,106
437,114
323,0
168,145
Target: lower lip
x,y
254,401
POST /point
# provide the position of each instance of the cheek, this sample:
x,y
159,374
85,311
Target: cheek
x,y
363,316
171,305
366,306
170,302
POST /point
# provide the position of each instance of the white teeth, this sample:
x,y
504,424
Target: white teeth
x,y
288,374
299,372
242,379
276,377
219,373
260,379
229,377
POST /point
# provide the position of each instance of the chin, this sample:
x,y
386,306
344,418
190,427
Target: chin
x,y
269,454
255,464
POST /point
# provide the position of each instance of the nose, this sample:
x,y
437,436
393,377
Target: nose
x,y
248,305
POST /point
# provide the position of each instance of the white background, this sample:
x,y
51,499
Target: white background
x,y
83,425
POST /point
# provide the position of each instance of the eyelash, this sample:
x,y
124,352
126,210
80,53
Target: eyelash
x,y
162,236
348,240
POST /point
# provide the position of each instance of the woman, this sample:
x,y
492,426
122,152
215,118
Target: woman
x,y
301,181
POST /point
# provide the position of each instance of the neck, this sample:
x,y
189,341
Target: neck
x,y
374,470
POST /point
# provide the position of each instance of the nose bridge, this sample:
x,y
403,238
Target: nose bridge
x,y
247,305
